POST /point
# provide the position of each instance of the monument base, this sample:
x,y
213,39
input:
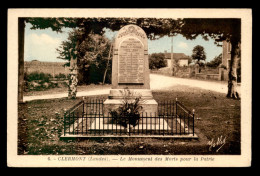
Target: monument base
x,y
145,94
148,106
99,124
116,99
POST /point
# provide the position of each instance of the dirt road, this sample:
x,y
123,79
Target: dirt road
x,y
157,82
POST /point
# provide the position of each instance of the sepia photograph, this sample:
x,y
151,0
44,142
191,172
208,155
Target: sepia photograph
x,y
129,87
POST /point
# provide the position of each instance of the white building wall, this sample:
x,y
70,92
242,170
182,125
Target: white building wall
x,y
169,63
183,62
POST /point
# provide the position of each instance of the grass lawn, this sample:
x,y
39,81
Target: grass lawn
x,y
41,123
64,89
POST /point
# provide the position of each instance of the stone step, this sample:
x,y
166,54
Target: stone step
x,y
98,124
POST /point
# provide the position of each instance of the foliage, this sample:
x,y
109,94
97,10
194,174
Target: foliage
x,y
92,55
60,75
128,113
157,60
198,54
39,81
189,60
202,65
67,49
155,28
219,29
40,85
215,62
45,77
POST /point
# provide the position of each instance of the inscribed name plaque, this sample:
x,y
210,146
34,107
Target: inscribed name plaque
x,y
131,62
130,67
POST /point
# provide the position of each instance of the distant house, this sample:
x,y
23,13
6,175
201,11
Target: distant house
x,y
181,58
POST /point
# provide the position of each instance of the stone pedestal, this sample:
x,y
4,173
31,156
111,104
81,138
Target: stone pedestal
x,y
116,98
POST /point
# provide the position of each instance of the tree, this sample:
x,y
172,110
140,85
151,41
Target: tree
x,y
215,62
220,30
189,60
198,54
92,56
157,60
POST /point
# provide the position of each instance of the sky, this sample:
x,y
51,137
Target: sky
x,y
41,44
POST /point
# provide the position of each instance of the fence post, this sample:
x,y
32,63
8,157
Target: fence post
x,y
77,122
176,107
193,112
129,125
83,104
73,122
82,115
83,100
176,100
172,115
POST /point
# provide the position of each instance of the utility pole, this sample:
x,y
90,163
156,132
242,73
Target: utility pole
x,y
172,62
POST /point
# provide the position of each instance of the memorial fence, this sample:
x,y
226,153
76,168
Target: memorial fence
x,y
87,118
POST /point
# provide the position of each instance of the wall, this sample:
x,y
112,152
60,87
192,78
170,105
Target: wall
x,y
190,72
208,76
226,60
52,68
168,63
226,53
183,62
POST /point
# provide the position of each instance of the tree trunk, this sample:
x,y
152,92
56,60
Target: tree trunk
x,y
232,75
104,77
73,76
21,29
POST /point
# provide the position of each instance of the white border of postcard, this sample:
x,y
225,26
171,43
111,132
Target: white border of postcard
x,y
15,160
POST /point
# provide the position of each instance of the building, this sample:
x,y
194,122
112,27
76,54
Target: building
x,y
181,58
226,54
226,61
